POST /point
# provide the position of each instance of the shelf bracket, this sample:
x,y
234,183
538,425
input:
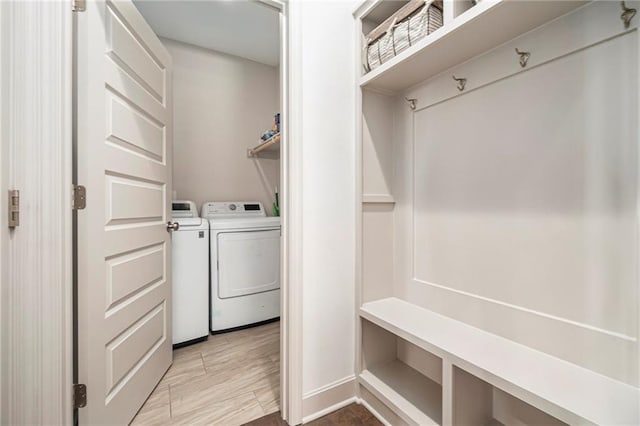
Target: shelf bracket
x,y
462,82
413,103
524,57
627,14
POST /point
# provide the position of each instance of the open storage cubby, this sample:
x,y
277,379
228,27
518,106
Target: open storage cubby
x,y
458,7
407,379
379,13
378,203
476,402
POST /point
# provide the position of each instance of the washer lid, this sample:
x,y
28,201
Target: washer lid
x,y
190,222
245,223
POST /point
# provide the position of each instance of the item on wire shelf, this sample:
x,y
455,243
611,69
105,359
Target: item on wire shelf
x,y
276,205
276,124
267,135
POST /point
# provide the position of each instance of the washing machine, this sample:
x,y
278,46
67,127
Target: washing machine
x,y
190,274
245,264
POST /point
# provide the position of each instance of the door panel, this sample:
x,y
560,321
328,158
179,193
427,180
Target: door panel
x,y
124,251
262,248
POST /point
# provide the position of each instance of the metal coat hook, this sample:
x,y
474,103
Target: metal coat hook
x,y
412,103
462,82
524,57
627,14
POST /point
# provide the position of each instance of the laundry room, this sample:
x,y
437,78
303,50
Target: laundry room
x,y
226,207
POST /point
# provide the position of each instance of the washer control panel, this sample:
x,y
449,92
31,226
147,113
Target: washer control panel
x,y
183,208
221,209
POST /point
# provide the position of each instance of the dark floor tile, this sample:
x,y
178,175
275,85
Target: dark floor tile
x,y
351,415
273,419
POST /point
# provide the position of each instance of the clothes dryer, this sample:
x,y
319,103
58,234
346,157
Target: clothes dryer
x,y
245,264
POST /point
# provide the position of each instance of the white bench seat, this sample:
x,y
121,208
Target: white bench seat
x,y
564,390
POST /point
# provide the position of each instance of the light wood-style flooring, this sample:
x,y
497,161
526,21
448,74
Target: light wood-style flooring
x,y
229,380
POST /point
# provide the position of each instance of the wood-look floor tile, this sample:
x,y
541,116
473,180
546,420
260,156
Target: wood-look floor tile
x,y
155,416
156,410
269,395
254,346
232,411
228,380
184,369
236,379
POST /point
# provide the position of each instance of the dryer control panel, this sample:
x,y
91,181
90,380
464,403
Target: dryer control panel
x,y
222,209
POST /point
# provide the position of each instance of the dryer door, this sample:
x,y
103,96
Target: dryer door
x,y
248,262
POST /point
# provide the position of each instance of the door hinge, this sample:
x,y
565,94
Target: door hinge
x,y
78,5
14,208
79,395
79,197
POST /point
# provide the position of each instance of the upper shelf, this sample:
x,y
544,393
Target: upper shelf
x,y
482,27
270,145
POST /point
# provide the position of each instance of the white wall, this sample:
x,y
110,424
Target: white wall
x,y
4,231
521,219
327,73
222,104
35,285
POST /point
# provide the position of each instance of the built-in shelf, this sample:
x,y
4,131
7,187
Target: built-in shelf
x,y
377,199
412,396
482,27
562,389
271,145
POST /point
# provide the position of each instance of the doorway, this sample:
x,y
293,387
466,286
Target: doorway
x,y
151,94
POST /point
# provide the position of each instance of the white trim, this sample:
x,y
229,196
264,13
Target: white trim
x,y
4,186
329,410
36,256
291,188
374,412
638,204
329,398
291,182
359,198
329,386
531,311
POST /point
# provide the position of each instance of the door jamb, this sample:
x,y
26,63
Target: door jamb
x,y
290,178
290,182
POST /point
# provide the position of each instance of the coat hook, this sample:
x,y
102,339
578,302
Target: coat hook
x,y
412,103
627,14
524,57
462,82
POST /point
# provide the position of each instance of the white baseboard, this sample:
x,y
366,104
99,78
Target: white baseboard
x,y
328,398
374,412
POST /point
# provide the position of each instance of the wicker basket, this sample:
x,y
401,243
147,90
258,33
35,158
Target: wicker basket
x,y
406,27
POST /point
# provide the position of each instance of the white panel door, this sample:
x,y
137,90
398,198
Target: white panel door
x,y
260,250
124,249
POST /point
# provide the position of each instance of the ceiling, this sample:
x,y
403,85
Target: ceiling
x,y
244,28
